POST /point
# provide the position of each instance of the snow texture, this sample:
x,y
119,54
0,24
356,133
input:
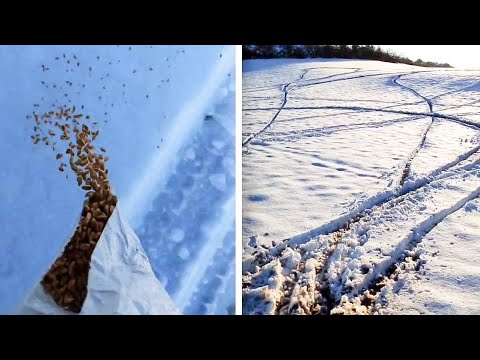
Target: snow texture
x,y
360,188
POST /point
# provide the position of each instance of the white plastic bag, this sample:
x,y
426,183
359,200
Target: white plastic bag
x,y
120,280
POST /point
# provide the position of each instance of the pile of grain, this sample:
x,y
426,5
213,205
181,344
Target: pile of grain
x,y
67,279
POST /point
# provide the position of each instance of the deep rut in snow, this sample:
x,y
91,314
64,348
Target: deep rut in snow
x,y
301,268
294,277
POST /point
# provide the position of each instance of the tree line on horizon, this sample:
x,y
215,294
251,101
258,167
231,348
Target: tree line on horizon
x,y
367,52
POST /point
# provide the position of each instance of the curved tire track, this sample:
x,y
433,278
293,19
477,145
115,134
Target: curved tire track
x,y
313,296
456,119
343,222
295,134
302,295
374,280
286,89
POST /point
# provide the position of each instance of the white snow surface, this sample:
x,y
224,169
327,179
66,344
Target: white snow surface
x,y
450,281
354,173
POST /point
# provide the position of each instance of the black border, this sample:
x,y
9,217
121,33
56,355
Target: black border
x,y
239,23
256,337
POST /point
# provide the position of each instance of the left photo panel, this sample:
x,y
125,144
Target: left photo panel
x,y
117,180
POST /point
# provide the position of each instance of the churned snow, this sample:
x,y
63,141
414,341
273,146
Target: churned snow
x,y
360,188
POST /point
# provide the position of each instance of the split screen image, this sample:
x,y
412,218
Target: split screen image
x,y
122,168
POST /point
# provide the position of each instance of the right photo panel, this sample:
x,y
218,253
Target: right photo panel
x,y
361,179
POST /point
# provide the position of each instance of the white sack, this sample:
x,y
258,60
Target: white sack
x,y
120,280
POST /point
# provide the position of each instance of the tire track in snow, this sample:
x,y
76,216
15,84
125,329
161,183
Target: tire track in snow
x,y
304,287
374,280
460,105
254,135
380,198
406,170
274,86
344,79
456,119
324,301
428,101
408,164
299,285
286,89
319,116
344,222
386,109
288,135
369,288
455,91
325,77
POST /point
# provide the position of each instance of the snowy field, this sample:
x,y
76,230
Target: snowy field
x,y
166,116
361,187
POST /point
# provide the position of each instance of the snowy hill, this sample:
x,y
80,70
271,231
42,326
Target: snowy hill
x,y
360,188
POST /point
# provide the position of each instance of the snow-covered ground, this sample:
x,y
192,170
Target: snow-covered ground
x,y
361,186
166,116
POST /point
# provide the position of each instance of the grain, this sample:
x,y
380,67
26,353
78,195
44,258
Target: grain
x,y
67,279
